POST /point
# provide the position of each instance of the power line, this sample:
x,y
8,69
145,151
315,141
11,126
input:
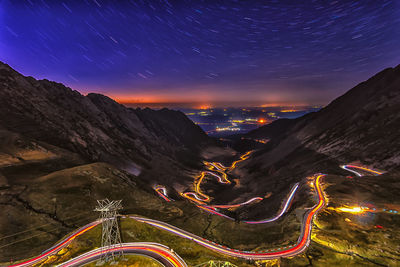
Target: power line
x,y
40,226
46,232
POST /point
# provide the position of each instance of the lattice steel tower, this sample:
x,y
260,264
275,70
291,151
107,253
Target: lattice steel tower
x,y
110,237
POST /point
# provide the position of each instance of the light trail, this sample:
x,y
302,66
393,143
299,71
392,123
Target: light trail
x,y
194,197
199,197
158,252
197,187
228,206
173,259
291,250
223,179
350,167
213,208
57,247
221,167
242,158
286,251
353,210
162,192
218,166
285,207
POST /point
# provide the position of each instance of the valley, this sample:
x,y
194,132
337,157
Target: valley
x,y
188,198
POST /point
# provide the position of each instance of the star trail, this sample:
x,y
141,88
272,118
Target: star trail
x,y
235,52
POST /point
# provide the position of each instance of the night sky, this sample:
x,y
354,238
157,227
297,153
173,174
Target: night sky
x,y
236,52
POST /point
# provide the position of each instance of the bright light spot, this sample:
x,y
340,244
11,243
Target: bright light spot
x,y
205,107
354,210
261,121
289,110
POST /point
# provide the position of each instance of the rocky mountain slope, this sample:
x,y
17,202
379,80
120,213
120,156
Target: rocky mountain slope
x,y
53,145
361,125
95,126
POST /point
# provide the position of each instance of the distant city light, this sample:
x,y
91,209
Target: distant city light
x,y
205,107
289,110
229,128
229,120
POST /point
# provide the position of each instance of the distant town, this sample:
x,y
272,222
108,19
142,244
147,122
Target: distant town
x,y
220,122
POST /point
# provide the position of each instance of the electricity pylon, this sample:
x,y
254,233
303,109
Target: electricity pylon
x,y
110,236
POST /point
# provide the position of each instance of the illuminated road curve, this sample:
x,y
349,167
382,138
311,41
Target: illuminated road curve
x,y
228,206
158,252
292,250
288,251
221,167
199,197
350,167
60,245
213,209
162,192
284,209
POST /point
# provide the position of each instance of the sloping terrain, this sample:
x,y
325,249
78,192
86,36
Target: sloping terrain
x,y
94,126
362,124
53,139
42,211
362,238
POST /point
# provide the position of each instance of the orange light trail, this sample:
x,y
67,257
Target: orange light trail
x,y
346,167
198,196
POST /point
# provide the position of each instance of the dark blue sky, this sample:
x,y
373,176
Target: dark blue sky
x,y
202,51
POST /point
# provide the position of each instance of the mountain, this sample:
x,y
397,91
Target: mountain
x,y
360,126
54,142
94,126
61,151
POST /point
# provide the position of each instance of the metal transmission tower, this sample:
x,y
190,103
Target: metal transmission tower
x,y
110,237
213,263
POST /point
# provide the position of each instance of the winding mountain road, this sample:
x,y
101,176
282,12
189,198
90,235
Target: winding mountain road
x,y
158,252
167,257
287,251
57,247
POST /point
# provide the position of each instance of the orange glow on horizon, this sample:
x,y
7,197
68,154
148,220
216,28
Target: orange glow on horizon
x,y
200,102
139,100
205,107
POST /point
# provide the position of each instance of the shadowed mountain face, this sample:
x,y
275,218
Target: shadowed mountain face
x,y
48,135
362,125
94,126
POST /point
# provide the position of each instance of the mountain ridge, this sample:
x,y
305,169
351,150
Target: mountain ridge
x,y
94,126
349,127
